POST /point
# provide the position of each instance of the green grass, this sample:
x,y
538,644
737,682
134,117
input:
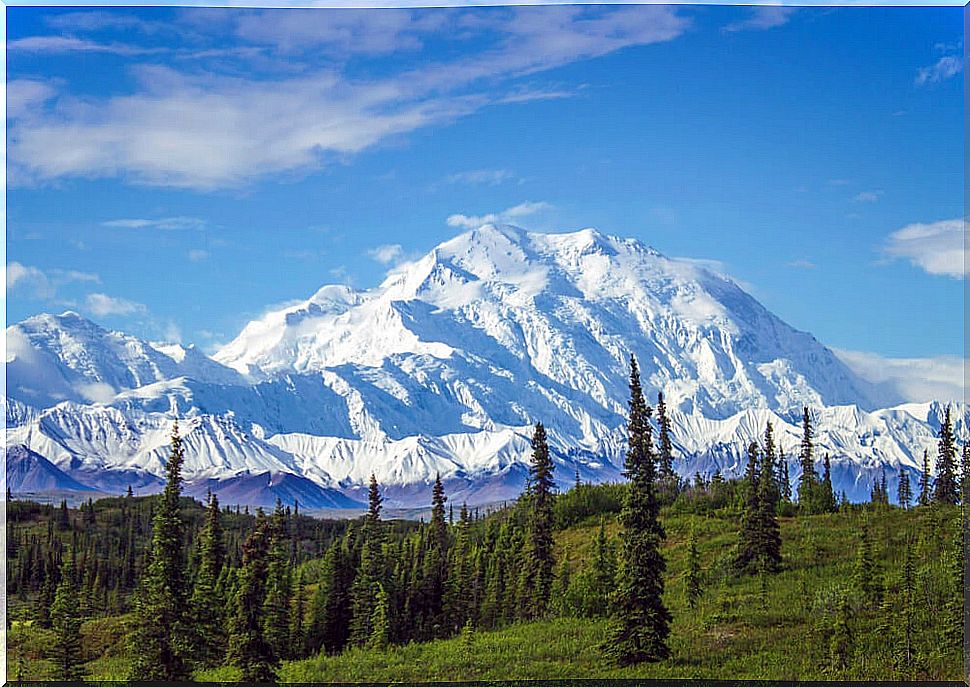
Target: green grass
x,y
738,630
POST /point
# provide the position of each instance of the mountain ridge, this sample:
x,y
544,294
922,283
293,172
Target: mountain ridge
x,y
445,365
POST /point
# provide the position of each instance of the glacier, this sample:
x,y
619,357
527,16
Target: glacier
x,y
444,367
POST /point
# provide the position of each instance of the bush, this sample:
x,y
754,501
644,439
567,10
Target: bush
x,y
587,500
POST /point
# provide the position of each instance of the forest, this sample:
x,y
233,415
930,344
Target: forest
x,y
653,577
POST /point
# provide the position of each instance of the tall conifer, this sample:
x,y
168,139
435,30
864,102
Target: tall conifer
x,y
540,560
946,489
641,623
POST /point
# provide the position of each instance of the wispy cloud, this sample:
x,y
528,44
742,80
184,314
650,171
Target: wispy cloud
x,y
505,216
165,223
761,19
68,44
481,177
944,68
197,254
387,253
915,380
867,196
209,130
103,305
937,247
802,264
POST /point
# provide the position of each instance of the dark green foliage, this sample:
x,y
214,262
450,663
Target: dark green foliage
x,y
380,622
330,612
880,492
208,605
826,495
784,480
924,481
947,489
769,470
276,607
537,583
841,639
587,500
367,582
160,641
749,539
806,482
297,621
66,623
640,620
248,649
904,493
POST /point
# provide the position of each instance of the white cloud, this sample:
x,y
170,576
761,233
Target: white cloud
x,y
505,216
937,247
481,177
208,130
867,196
167,223
102,305
387,253
67,44
944,68
802,264
915,380
197,254
36,283
761,19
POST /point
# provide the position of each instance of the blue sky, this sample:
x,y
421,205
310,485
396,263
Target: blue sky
x,y
174,172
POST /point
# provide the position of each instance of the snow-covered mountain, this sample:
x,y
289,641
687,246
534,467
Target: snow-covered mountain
x,y
445,366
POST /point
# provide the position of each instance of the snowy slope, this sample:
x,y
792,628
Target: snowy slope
x,y
444,367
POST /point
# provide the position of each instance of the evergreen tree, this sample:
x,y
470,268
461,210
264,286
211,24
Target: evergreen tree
x,y
784,478
641,623
946,490
248,649
603,573
806,483
380,621
965,475
540,560
63,519
749,539
768,531
769,469
331,607
924,480
904,492
665,454
159,640
276,607
693,576
208,605
827,493
66,623
367,583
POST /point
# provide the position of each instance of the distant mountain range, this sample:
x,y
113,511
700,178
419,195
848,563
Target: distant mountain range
x,y
443,368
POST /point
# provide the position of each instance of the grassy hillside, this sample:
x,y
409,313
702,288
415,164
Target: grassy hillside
x,y
777,627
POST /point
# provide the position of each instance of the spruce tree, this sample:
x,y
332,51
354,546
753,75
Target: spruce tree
x,y
841,641
769,468
276,607
827,493
159,641
924,480
965,475
641,623
806,482
693,576
248,649
208,607
66,623
750,536
603,574
768,531
380,621
666,449
946,489
784,478
904,492
367,583
540,559
330,613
